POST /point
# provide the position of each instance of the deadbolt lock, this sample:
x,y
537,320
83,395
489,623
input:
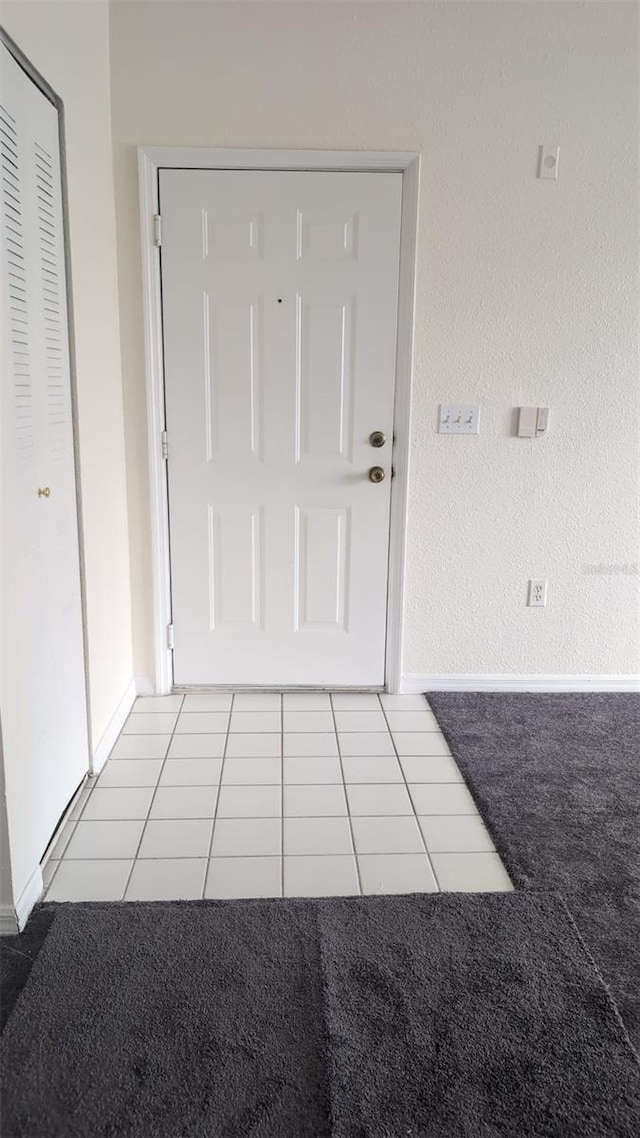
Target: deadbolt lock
x,y
377,439
376,474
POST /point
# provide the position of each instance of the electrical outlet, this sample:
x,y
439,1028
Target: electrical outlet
x,y
548,160
537,593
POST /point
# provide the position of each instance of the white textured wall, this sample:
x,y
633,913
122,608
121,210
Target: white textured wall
x,y
527,289
69,44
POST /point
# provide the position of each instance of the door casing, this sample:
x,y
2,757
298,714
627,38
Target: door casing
x,y
150,160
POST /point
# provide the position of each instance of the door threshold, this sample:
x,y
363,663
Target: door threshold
x,y
192,689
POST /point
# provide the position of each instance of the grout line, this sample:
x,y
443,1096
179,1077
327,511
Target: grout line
x,y
346,796
203,857
415,815
215,809
262,817
155,791
192,785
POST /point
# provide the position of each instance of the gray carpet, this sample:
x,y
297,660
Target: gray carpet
x,y
423,1016
557,781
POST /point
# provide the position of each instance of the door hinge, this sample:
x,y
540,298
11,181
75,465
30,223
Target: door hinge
x,y
165,445
157,230
170,637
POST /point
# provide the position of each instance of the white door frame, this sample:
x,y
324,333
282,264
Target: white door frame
x,y
151,159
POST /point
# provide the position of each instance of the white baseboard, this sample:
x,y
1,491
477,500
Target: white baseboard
x,y
145,685
8,921
13,918
414,684
103,749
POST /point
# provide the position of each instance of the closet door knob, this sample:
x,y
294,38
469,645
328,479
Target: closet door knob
x,y
44,492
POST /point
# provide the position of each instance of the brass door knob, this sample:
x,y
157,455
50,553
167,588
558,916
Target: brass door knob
x,y
377,438
376,474
44,492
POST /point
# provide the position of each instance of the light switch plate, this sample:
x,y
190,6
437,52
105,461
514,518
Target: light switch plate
x,y
459,419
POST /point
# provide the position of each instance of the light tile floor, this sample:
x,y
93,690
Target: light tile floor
x,y
269,795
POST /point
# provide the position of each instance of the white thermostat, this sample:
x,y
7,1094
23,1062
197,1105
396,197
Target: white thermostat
x,y
532,422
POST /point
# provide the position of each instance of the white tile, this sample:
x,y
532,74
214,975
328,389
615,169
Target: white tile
x,y
211,701
130,772
80,803
167,879
470,873
197,746
63,839
184,838
246,837
256,771
366,743
396,873
308,721
247,745
446,833
360,721
322,743
306,701
154,704
382,799
250,802
442,798
48,871
141,747
317,836
420,743
159,724
257,701
184,802
412,721
194,722
104,840
386,835
256,721
355,701
89,881
191,772
335,876
306,769
309,801
404,702
371,768
430,768
118,802
244,877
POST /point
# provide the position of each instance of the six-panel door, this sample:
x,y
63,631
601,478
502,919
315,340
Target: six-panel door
x,y
280,295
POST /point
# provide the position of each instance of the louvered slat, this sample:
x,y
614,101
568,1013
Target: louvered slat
x,y
57,403
19,327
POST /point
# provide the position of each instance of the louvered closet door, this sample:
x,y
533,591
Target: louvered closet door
x,y
44,705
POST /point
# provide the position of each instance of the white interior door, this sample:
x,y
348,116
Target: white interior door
x,y
280,296
43,682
